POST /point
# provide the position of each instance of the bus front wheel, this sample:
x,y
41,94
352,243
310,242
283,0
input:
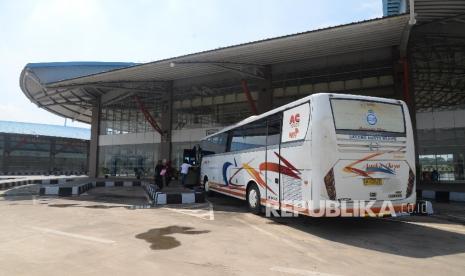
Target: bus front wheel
x,y
253,199
207,190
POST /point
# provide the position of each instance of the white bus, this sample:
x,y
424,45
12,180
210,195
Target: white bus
x,y
322,148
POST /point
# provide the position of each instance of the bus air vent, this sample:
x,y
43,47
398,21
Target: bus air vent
x,y
330,186
410,183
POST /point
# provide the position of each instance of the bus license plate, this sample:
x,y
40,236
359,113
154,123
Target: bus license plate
x,y
372,181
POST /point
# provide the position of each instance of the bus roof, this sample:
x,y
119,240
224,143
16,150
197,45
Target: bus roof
x,y
294,103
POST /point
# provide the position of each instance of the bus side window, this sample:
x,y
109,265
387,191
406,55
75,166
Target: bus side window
x,y
249,136
215,144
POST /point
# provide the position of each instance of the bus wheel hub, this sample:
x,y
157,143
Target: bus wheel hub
x,y
252,198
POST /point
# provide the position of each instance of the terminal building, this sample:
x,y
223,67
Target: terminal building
x,y
141,113
38,149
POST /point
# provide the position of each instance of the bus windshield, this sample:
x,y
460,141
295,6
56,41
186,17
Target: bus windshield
x,y
368,116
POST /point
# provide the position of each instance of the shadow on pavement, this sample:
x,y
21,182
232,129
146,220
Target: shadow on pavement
x,y
398,236
225,203
114,195
393,236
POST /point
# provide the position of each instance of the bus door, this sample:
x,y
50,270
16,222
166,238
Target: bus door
x,y
273,162
294,156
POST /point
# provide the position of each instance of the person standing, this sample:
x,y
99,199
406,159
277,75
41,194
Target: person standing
x,y
169,173
435,176
158,177
184,171
163,172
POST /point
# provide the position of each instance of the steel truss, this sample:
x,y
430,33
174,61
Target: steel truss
x,y
438,71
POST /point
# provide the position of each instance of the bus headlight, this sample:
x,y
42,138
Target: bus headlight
x,y
330,186
410,183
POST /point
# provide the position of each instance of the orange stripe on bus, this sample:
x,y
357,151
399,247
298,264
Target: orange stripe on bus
x,y
215,184
231,192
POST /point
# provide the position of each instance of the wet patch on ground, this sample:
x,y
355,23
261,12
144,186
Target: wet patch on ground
x,y
277,222
98,206
62,205
111,196
161,239
115,196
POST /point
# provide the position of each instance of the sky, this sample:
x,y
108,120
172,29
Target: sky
x,y
144,31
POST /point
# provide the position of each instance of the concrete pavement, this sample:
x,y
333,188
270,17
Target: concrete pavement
x,y
102,235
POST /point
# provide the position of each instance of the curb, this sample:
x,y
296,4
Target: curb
x,y
84,187
179,198
42,173
11,184
52,181
53,188
161,198
66,191
151,191
134,183
15,183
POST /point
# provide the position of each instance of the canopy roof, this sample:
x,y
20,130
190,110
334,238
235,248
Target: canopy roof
x,y
434,10
72,94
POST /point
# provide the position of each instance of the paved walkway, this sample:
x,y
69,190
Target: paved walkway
x,y
450,211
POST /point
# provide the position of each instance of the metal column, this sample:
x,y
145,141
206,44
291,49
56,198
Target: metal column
x,y
52,153
6,153
166,123
94,136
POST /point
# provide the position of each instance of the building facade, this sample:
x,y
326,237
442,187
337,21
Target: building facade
x,y
394,7
437,54
37,149
147,112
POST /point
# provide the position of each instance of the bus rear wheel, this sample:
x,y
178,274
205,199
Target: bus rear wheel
x,y
253,199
